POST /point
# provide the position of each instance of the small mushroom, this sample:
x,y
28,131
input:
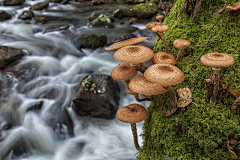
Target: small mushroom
x,y
159,17
165,75
123,72
152,24
132,113
135,55
216,60
180,43
129,91
124,43
159,29
235,8
163,57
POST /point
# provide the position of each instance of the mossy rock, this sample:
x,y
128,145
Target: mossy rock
x,y
12,2
92,41
4,16
207,123
142,11
103,21
26,15
40,6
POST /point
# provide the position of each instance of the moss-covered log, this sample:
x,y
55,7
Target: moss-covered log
x,y
207,124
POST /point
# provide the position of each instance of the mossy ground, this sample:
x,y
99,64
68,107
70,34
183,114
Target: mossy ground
x,y
207,123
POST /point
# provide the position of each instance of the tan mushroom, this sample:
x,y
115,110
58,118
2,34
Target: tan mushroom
x,y
180,43
129,91
152,24
236,6
132,113
124,72
159,29
165,75
163,57
159,17
135,55
124,43
216,60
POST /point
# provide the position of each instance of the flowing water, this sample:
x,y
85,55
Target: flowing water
x,y
56,66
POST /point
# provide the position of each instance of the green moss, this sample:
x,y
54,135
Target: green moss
x,y
207,123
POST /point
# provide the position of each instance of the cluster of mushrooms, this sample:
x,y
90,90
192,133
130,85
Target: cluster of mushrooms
x,y
157,78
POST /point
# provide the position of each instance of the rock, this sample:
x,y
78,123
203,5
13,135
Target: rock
x,y
39,20
59,1
118,13
123,37
40,6
103,21
92,41
4,16
98,97
139,1
141,11
6,121
12,2
146,33
26,15
61,28
8,55
97,2
36,107
155,1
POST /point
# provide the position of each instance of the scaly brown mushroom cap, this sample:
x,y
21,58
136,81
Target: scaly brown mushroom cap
x,y
141,85
163,57
160,28
159,17
133,54
124,43
152,24
129,91
180,43
236,6
164,74
132,113
123,72
216,59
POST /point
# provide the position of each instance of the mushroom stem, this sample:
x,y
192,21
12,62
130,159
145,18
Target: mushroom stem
x,y
216,75
140,100
179,53
141,67
135,137
127,81
164,41
173,97
158,35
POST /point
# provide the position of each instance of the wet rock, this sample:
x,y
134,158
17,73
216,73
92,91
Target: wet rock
x,y
118,13
6,121
39,20
92,41
103,21
35,108
97,2
12,2
40,6
97,97
139,1
26,15
123,37
8,55
141,11
60,1
4,16
146,33
61,28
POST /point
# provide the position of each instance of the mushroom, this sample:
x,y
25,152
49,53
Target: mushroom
x,y
129,91
159,17
163,57
151,25
132,113
180,43
159,29
216,60
235,7
165,75
135,55
123,73
124,43
142,86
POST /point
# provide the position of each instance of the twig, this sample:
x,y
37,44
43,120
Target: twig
x,y
207,41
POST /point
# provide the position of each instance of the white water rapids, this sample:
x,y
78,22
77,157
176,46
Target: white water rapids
x,y
60,66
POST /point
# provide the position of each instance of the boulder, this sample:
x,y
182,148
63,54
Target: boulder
x,y
6,121
103,21
123,37
92,41
97,97
97,2
40,6
8,55
26,15
4,16
12,2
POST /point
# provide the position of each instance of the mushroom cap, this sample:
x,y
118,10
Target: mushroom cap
x,y
123,72
235,6
152,24
160,28
164,74
216,59
159,16
132,113
163,57
124,43
141,85
133,54
180,43
129,91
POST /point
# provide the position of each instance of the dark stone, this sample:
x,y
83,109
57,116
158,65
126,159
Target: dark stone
x,y
36,107
59,1
139,1
61,28
118,13
92,41
39,19
97,2
4,16
123,37
26,15
12,2
6,121
8,55
40,6
103,21
146,33
98,97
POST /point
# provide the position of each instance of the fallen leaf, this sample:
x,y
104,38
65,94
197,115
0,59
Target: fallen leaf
x,y
235,93
233,155
185,97
236,103
169,112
